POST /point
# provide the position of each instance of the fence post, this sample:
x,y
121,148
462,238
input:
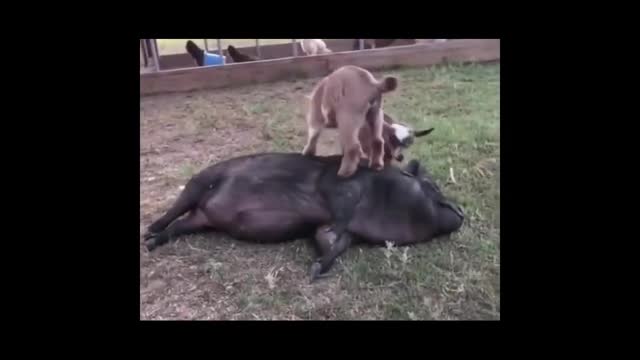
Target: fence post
x,y
219,47
154,50
361,43
295,48
258,48
206,45
144,53
148,48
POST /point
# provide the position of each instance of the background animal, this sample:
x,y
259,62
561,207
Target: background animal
x,y
348,99
202,57
243,198
372,43
196,52
237,56
314,47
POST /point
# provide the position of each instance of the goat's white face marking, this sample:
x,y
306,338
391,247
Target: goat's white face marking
x,y
402,132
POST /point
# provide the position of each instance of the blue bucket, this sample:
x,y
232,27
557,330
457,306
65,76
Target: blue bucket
x,y
213,59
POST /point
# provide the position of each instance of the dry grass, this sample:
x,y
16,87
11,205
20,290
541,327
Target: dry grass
x,y
215,277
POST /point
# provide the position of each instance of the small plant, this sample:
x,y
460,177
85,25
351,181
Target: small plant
x,y
388,252
405,257
272,277
212,267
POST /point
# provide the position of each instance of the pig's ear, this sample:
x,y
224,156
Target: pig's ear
x,y
413,167
423,132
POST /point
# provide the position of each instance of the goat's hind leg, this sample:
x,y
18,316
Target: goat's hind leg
x,y
376,122
195,222
315,124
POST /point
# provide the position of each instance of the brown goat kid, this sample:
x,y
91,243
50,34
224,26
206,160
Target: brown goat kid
x,y
349,99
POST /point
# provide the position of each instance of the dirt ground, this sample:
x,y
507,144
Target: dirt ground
x,y
197,279
213,277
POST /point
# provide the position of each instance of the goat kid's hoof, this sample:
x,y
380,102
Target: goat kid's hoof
x,y
346,173
377,166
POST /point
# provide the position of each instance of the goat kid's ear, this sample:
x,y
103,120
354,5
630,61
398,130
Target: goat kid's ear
x,y
423,132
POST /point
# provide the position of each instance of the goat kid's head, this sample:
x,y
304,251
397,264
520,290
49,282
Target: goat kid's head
x,y
401,137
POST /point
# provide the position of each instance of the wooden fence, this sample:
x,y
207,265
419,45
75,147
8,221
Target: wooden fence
x,y
416,55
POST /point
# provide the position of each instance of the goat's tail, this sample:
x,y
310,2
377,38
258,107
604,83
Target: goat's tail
x,y
387,84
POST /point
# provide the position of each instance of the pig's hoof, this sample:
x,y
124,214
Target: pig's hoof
x,y
314,272
150,244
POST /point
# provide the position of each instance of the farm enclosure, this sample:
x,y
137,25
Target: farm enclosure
x,y
214,277
172,53
256,72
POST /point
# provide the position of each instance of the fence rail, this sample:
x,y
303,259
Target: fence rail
x,y
467,50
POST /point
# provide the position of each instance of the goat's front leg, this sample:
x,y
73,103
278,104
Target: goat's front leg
x,y
315,124
312,141
376,161
348,126
363,154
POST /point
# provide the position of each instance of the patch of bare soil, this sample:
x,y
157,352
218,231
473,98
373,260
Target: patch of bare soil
x,y
211,276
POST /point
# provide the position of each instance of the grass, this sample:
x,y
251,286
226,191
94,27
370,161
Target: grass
x,y
176,46
215,277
